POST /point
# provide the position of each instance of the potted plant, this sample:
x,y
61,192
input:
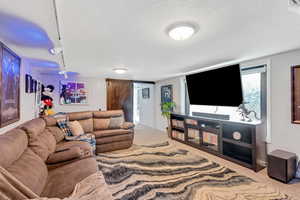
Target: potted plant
x,y
166,110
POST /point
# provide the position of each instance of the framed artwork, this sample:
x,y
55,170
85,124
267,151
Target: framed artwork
x,y
38,94
38,98
166,93
33,85
295,86
146,93
72,92
10,86
28,80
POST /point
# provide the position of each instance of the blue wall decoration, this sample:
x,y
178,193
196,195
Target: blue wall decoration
x,y
10,86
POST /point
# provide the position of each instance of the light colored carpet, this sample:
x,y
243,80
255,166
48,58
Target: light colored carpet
x,y
162,171
147,135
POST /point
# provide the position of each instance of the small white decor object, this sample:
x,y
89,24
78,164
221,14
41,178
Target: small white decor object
x,y
236,135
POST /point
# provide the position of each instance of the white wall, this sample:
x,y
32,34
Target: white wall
x,y
178,98
96,88
27,101
283,134
96,95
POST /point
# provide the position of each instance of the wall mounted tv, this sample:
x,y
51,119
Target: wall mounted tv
x,y
218,87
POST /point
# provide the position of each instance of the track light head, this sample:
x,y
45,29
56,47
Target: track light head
x,y
55,50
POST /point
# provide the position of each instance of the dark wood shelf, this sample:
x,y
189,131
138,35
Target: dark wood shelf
x,y
247,151
237,143
191,126
197,142
208,129
179,140
178,128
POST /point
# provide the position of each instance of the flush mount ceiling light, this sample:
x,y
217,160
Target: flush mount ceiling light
x,y
120,70
294,6
181,31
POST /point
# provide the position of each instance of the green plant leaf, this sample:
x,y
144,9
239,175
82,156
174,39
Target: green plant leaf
x,y
167,108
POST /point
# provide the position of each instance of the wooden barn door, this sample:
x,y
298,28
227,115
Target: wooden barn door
x,y
120,96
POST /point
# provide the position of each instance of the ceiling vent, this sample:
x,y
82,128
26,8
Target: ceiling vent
x,y
294,6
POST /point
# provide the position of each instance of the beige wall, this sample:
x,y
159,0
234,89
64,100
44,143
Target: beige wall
x,y
284,134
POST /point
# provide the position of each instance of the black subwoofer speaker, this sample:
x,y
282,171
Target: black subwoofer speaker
x,y
282,165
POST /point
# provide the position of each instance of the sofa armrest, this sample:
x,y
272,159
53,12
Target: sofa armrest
x,y
127,125
64,155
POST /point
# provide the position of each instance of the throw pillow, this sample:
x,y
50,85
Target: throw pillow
x,y
76,128
63,125
116,122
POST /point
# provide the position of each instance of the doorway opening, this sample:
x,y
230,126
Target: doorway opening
x,y
143,104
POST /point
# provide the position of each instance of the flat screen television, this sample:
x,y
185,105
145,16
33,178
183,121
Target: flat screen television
x,y
218,87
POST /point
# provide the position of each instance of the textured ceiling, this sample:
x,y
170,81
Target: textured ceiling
x,y
100,35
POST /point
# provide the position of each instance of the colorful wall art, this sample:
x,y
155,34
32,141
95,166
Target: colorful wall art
x,y
72,92
166,93
146,93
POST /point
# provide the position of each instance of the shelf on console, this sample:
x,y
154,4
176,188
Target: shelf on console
x,y
178,128
237,143
243,154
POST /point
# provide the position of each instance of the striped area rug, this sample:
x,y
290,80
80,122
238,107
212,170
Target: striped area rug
x,y
164,172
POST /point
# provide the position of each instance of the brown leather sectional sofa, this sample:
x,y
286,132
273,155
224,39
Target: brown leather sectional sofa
x,y
105,125
37,155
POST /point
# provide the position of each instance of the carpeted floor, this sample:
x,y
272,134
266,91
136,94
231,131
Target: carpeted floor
x,y
163,171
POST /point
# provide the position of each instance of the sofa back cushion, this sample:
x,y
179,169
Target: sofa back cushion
x,y
108,114
41,140
58,134
33,128
12,145
84,118
21,162
44,144
112,119
51,125
30,170
101,124
116,122
49,120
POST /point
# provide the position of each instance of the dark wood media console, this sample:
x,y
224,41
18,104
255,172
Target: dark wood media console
x,y
239,142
